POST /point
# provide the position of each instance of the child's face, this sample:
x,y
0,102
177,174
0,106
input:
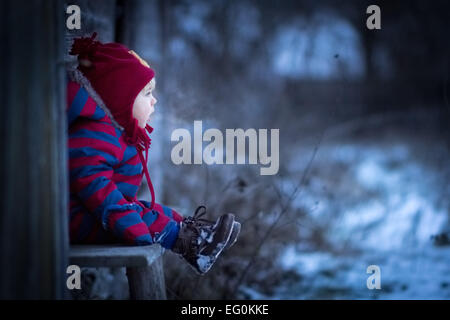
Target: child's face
x,y
144,104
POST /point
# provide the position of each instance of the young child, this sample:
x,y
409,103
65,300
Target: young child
x,y
109,101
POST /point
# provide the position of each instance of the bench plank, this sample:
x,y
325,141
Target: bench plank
x,y
116,255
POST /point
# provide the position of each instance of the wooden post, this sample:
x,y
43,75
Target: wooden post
x,y
147,283
33,167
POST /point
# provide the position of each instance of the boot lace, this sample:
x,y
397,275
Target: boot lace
x,y
196,218
196,223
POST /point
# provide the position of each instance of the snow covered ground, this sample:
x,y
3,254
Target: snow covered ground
x,y
381,204
404,274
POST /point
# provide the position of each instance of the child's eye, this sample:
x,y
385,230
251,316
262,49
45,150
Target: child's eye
x,y
148,94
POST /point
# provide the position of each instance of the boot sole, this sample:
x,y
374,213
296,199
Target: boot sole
x,y
207,257
234,235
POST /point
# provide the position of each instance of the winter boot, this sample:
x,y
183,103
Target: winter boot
x,y
201,241
234,233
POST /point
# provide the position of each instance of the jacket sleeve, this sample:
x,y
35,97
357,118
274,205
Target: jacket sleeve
x,y
92,155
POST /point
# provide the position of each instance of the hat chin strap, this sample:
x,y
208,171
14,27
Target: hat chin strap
x,y
142,141
149,181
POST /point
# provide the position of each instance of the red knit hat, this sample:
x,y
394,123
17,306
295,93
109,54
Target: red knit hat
x,y
117,74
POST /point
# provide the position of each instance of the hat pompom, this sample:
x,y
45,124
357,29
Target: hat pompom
x,y
84,47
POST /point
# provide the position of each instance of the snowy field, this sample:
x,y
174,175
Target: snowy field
x,y
381,204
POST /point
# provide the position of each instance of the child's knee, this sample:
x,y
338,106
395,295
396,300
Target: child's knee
x,y
176,216
169,212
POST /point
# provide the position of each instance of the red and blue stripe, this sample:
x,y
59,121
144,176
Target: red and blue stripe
x,y
105,175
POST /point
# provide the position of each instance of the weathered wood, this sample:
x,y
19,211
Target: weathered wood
x,y
114,255
33,167
147,283
144,266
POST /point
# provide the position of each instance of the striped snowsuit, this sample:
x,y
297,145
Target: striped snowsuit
x,y
105,174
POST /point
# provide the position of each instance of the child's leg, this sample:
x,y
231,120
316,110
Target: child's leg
x,y
85,229
163,223
171,213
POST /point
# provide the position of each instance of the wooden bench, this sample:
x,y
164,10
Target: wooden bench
x,y
144,266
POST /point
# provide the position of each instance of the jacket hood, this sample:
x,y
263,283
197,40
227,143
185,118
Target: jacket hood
x,y
83,100
81,105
